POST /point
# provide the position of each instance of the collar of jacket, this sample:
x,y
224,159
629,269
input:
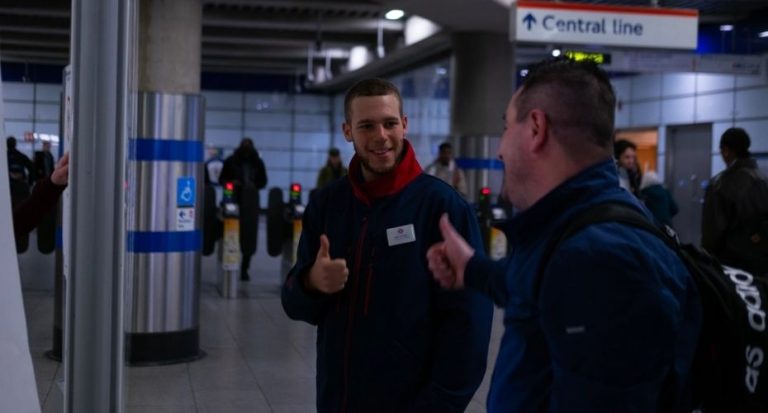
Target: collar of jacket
x,y
597,183
749,163
405,172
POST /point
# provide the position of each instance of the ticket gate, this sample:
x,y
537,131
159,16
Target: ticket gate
x,y
284,225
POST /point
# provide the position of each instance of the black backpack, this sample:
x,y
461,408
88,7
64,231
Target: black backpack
x,y
730,368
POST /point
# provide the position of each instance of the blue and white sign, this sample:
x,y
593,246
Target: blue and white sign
x,y
185,219
185,192
597,24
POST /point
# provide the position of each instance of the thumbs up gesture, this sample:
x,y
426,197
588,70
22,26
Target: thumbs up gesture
x,y
327,275
448,259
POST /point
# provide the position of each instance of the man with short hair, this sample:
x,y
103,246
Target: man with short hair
x,y
735,217
44,162
445,168
389,339
606,322
332,170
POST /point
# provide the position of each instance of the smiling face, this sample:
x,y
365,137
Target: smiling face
x,y
377,131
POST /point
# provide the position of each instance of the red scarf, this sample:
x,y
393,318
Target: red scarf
x,y
384,185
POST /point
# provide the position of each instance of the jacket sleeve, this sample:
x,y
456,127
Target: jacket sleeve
x,y
713,221
461,339
298,303
28,213
488,277
261,174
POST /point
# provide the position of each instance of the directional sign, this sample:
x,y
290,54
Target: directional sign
x,y
597,24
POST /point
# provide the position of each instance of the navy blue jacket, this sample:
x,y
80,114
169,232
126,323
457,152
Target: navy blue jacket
x,y
392,340
617,314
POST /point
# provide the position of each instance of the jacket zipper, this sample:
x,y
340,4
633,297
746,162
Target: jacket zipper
x,y
351,312
369,280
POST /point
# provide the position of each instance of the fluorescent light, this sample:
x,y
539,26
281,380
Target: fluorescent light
x,y
394,14
555,52
763,34
524,73
726,27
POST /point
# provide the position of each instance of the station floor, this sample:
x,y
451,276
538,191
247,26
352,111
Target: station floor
x,y
258,360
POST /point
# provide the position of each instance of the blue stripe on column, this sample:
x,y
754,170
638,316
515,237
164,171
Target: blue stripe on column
x,y
165,241
479,163
147,149
59,237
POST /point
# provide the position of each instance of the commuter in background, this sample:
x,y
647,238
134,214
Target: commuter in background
x,y
28,213
44,162
629,169
332,170
21,172
657,199
246,171
389,339
444,167
734,222
606,322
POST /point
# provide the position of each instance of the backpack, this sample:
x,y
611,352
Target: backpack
x,y
730,367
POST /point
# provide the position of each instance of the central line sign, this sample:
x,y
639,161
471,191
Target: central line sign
x,y
593,24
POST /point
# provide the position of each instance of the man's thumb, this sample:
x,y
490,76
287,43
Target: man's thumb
x,y
325,246
446,229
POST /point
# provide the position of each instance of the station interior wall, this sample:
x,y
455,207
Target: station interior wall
x,y
673,99
292,131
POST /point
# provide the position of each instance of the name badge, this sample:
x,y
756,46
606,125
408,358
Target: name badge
x,y
400,235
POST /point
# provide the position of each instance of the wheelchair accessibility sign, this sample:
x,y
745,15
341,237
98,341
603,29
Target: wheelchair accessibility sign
x,y
185,192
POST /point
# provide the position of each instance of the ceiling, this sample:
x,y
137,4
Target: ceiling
x,y
289,36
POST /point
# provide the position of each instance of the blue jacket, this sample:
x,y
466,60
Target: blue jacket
x,y
392,340
617,314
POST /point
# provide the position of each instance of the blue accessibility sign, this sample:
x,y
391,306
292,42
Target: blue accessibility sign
x,y
185,192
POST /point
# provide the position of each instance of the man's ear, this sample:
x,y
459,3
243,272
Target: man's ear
x,y
404,120
347,129
539,129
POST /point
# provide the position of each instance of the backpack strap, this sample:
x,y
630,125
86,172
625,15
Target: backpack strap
x,y
610,211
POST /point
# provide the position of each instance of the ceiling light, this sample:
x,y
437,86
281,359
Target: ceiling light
x,y
394,14
726,27
555,52
763,34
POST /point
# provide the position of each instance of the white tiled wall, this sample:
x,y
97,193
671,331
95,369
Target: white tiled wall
x,y
661,100
292,132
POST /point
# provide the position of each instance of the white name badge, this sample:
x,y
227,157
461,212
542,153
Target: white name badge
x,y
400,235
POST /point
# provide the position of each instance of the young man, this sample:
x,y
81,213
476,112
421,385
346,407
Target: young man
x,y
608,322
444,167
735,217
389,338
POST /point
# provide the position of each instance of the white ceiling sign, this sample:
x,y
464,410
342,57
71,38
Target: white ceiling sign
x,y
598,24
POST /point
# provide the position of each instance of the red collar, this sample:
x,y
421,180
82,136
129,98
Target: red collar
x,y
405,172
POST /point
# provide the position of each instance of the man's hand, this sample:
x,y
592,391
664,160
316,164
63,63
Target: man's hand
x,y
448,259
60,175
327,275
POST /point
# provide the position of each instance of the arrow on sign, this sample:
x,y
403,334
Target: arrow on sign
x,y
181,214
529,20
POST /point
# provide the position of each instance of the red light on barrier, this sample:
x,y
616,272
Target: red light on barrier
x,y
485,191
229,186
296,188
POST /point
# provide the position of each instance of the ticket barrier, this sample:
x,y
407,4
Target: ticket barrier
x,y
489,217
284,225
229,246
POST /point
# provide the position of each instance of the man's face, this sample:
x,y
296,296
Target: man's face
x,y
628,159
377,132
46,146
445,156
512,153
334,160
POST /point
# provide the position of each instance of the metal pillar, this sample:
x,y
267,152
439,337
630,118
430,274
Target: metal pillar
x,y
482,82
165,238
94,226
